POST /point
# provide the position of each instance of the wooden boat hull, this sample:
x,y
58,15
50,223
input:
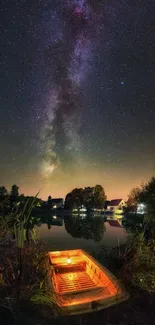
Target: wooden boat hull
x,y
80,284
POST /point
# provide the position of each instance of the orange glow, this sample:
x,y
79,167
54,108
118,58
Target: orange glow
x,y
79,280
69,261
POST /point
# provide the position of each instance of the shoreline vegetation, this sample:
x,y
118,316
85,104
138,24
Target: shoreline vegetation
x,y
23,294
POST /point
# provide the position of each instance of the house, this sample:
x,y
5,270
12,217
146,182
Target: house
x,y
57,203
116,206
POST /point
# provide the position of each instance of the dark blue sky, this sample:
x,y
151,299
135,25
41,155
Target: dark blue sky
x,y
114,142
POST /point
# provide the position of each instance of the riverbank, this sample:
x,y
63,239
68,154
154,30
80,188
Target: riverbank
x,y
24,300
138,310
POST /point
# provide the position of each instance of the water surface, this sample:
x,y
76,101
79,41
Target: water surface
x,y
85,233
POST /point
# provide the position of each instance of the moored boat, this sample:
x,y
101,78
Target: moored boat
x,y
80,284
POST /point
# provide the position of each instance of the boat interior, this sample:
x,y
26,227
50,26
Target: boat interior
x,y
76,272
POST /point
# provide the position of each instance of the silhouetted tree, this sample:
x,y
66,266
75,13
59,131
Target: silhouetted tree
x,y
147,197
49,202
3,191
14,191
99,197
133,197
90,197
74,199
68,202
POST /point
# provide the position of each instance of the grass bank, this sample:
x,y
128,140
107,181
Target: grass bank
x,y
133,261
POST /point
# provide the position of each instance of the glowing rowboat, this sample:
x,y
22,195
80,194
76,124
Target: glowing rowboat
x,y
80,284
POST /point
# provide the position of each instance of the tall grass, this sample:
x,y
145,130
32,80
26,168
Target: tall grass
x,y
133,261
21,230
23,268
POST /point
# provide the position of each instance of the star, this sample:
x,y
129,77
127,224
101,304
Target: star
x,y
77,95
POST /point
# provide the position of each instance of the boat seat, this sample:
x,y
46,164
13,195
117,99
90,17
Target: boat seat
x,y
81,266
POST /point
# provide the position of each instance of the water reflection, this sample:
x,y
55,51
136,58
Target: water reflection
x,y
72,232
133,223
54,221
115,223
85,227
49,221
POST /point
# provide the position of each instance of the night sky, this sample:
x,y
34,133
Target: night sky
x,y
77,95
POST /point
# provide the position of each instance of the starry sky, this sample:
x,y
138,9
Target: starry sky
x,y
77,95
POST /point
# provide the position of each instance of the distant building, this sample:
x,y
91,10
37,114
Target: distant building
x,y
115,206
57,203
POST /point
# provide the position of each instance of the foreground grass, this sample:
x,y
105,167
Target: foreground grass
x,y
15,290
139,310
133,261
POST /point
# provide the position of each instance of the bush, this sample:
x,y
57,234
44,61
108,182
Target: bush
x,y
133,261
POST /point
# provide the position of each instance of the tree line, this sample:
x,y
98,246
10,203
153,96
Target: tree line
x,y
9,199
90,197
14,191
93,197
144,195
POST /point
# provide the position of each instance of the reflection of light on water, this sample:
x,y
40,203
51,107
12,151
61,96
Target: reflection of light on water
x,y
83,215
83,209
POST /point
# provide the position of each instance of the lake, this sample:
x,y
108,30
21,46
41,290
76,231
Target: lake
x,y
81,232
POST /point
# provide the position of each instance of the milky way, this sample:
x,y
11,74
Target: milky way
x,y
68,61
77,93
